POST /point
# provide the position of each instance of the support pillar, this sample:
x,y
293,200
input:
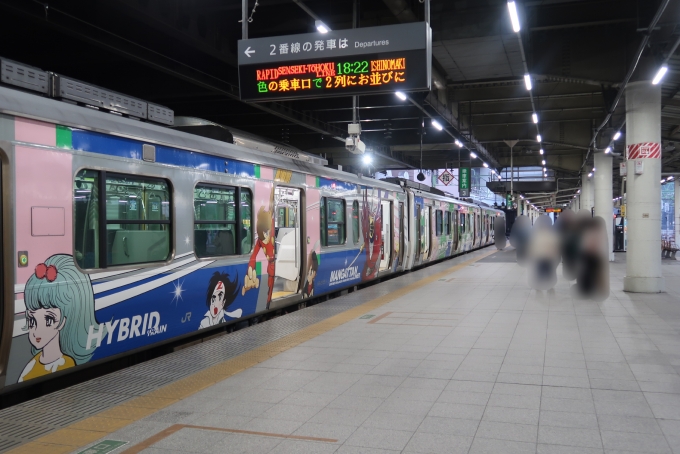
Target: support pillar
x,y
643,126
604,205
587,191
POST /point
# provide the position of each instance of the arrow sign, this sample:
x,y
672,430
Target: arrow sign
x,y
249,51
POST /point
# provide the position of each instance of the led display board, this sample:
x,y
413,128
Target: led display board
x,y
339,63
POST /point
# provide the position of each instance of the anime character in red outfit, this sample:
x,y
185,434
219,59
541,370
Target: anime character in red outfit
x,y
266,236
371,225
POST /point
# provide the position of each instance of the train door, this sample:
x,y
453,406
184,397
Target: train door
x,y
456,228
419,232
474,229
426,233
288,242
387,238
402,228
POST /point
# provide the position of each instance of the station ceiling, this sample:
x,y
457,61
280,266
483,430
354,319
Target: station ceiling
x,y
182,54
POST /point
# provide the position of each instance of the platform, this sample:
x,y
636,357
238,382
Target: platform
x,y
460,357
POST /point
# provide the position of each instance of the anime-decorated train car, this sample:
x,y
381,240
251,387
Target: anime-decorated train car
x,y
119,234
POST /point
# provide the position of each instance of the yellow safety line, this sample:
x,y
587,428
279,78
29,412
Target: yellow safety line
x,y
86,431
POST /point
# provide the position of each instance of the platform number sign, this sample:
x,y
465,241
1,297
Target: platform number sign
x,y
508,201
464,182
446,177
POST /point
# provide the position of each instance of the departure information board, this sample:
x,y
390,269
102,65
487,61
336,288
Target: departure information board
x,y
342,63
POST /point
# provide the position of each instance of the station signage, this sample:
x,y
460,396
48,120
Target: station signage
x,y
446,177
359,61
464,182
553,210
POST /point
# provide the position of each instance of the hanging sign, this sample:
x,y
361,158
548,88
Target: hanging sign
x,y
446,177
645,150
508,202
623,169
464,182
360,61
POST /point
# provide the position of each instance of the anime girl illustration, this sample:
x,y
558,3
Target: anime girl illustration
x,y
371,226
308,290
266,236
221,293
59,317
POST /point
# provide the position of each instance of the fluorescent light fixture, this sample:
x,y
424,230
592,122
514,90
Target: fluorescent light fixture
x,y
485,164
521,196
671,178
663,181
543,162
401,96
321,27
544,170
436,124
539,138
512,8
527,81
578,192
608,150
590,174
368,159
617,136
659,75
473,155
594,169
458,143
534,117
542,151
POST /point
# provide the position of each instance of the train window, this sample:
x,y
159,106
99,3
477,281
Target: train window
x,y
133,227
355,222
447,223
332,222
216,220
438,222
462,224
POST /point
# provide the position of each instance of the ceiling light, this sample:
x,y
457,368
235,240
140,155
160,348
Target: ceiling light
x,y
436,124
544,170
543,162
590,174
541,151
473,155
534,117
485,164
401,96
458,143
539,138
659,75
594,169
663,181
578,192
617,136
521,196
368,159
512,8
527,81
321,27
671,178
608,150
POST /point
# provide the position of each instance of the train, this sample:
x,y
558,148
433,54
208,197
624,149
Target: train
x,y
125,227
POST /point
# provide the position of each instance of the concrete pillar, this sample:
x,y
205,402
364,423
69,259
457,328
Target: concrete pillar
x,y
643,126
604,206
676,187
587,191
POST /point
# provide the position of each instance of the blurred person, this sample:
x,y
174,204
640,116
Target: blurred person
x,y
543,255
568,229
519,237
593,263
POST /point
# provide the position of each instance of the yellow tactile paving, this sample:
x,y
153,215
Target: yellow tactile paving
x,y
41,448
101,424
72,437
140,407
